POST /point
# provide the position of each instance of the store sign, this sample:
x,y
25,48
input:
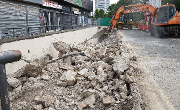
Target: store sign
x,y
51,4
74,9
76,12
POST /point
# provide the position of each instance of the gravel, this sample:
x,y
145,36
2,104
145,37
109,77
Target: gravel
x,y
159,58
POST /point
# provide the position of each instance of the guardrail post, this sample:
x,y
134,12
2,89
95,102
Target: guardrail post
x,y
6,57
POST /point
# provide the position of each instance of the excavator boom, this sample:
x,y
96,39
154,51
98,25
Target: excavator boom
x,y
135,8
115,18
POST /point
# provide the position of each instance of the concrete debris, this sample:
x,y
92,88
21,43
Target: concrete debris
x,y
13,82
45,100
82,104
123,95
108,100
69,77
61,83
89,101
37,85
45,77
129,79
38,107
102,52
120,67
22,105
103,78
84,72
68,60
89,92
62,47
100,70
50,108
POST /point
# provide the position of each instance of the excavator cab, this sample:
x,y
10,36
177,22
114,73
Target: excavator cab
x,y
164,13
165,21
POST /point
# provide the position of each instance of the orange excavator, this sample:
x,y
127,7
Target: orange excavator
x,y
165,19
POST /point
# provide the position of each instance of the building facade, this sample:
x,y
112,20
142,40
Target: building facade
x,y
102,4
29,17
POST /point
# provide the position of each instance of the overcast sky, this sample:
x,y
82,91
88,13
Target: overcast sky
x,y
113,1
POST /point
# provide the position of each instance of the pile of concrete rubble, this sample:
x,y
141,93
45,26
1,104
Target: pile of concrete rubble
x,y
86,76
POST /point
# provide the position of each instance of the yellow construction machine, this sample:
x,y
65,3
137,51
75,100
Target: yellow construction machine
x,y
125,24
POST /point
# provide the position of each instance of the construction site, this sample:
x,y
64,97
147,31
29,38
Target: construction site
x,y
67,63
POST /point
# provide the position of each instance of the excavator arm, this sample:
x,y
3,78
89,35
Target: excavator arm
x,y
135,8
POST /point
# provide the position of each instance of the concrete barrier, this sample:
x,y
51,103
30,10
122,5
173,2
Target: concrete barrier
x,y
38,47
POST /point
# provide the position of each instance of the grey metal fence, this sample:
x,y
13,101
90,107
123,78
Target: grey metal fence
x,y
19,20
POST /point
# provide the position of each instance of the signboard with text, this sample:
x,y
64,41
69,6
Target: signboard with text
x,y
51,4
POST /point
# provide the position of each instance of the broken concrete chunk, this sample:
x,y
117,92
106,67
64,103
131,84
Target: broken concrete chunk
x,y
80,59
129,79
87,93
89,51
69,77
61,83
101,77
92,77
45,100
83,72
18,88
109,92
105,88
68,60
38,107
82,104
62,47
100,70
87,101
110,74
13,82
117,95
108,100
119,67
123,95
122,77
37,85
45,77
102,52
48,100
108,59
103,65
17,70
50,108
90,100
39,99
65,67
123,88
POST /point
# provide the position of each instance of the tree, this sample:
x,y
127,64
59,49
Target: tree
x,y
175,2
96,14
111,10
101,13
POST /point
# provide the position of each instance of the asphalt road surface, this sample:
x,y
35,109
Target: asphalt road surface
x,y
159,59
